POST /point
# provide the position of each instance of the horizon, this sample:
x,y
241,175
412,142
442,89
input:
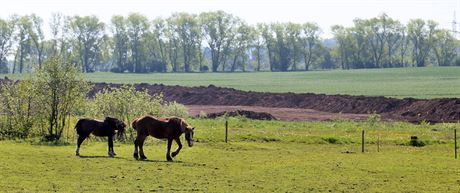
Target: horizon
x,y
252,12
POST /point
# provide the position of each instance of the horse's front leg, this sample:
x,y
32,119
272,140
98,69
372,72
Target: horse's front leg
x,y
179,147
110,142
168,156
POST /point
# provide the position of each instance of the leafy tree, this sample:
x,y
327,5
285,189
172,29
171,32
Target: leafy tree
x,y
38,38
88,32
293,32
445,47
60,90
24,25
421,35
120,38
218,27
6,41
243,40
138,25
258,44
187,28
159,28
310,42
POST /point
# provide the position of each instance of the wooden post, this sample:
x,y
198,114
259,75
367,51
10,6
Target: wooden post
x,y
455,139
226,131
362,141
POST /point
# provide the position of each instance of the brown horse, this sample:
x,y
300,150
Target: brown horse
x,y
170,128
99,128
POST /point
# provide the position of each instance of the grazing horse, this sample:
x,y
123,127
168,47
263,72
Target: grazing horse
x,y
170,128
99,128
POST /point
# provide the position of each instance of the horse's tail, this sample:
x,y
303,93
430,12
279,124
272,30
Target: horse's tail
x,y
133,124
78,126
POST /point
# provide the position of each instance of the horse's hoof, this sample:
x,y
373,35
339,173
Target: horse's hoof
x,y
143,157
111,154
77,154
136,156
173,154
169,159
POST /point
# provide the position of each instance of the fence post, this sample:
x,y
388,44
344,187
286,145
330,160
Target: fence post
x,y
226,131
362,142
455,139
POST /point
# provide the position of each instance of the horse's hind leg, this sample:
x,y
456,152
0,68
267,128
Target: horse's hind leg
x,y
179,147
168,156
140,143
80,140
136,153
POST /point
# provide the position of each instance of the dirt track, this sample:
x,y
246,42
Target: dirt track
x,y
409,109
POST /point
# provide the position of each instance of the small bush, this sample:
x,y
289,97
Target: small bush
x,y
174,109
18,108
125,103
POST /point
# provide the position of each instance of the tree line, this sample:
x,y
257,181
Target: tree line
x,y
220,42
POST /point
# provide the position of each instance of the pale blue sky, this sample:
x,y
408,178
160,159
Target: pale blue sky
x,y
324,12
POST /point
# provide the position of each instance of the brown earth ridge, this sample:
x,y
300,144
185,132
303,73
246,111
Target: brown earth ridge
x,y
408,109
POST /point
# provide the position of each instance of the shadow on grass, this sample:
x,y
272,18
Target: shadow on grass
x,y
98,156
189,164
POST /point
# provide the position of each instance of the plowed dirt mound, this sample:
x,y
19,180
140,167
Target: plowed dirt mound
x,y
244,113
409,109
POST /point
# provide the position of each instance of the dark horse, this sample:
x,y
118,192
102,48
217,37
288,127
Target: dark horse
x,y
170,128
99,128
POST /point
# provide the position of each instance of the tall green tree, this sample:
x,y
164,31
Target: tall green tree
x,y
444,48
310,43
217,27
138,27
188,29
243,41
121,42
6,42
88,34
293,35
23,52
421,35
38,38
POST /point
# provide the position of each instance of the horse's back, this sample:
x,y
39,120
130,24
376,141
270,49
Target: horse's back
x,y
150,125
86,126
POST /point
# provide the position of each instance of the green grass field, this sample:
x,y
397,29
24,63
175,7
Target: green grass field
x,y
434,82
262,156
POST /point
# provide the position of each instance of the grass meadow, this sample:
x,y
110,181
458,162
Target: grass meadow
x,y
429,82
261,156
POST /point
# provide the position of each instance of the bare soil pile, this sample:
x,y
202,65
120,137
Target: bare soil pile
x,y
244,113
408,109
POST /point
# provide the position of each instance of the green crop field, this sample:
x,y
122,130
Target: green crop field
x,y
262,156
434,82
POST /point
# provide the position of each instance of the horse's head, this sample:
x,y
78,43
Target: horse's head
x,y
116,125
185,128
